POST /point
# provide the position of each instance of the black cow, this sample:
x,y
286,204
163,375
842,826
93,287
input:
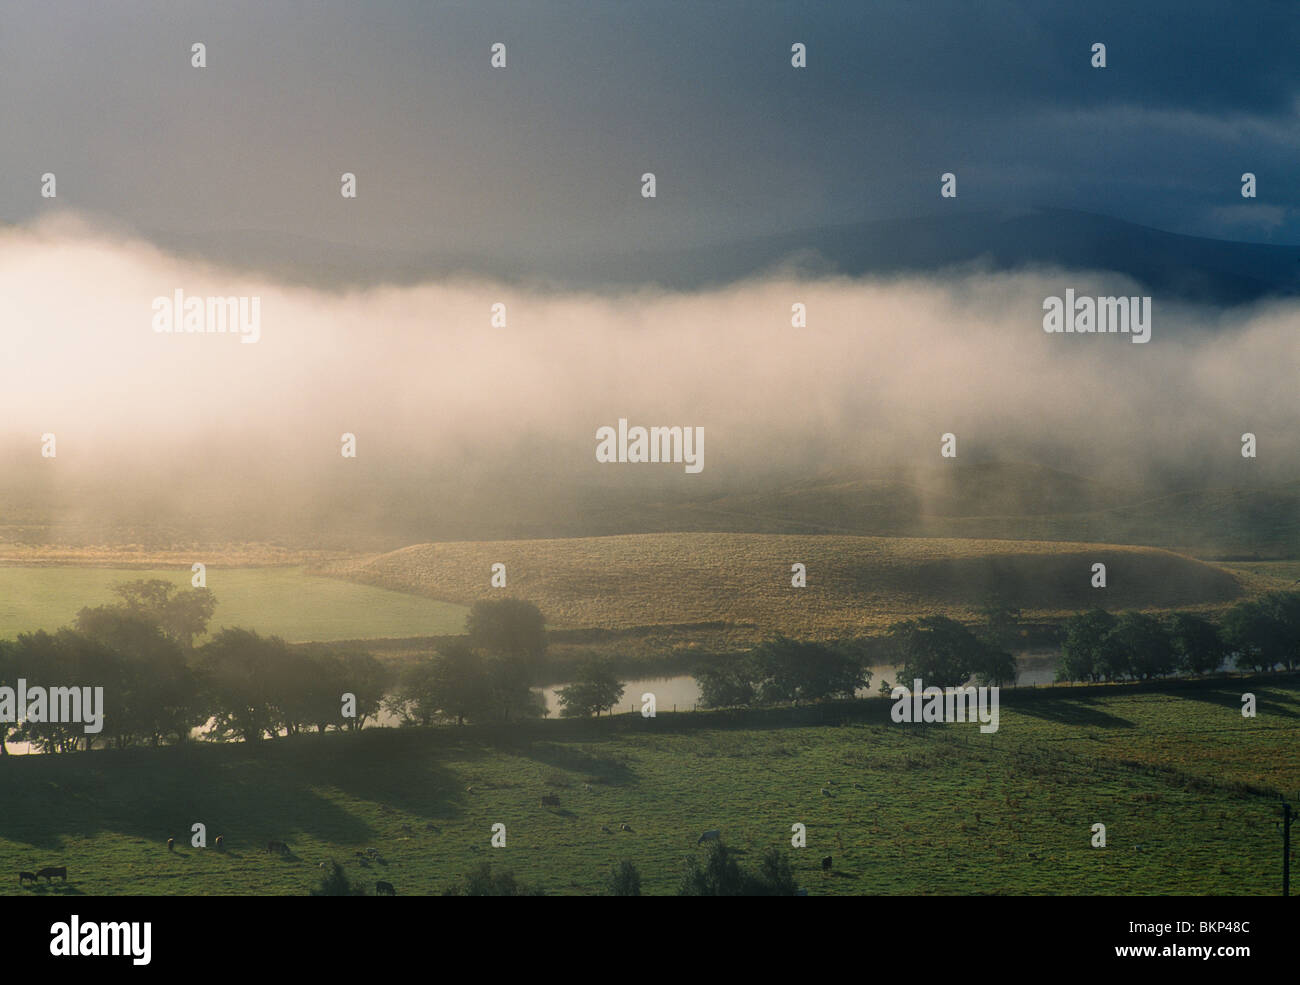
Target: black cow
x,y
50,871
171,844
384,889
826,864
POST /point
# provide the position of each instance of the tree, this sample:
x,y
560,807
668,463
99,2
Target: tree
x,y
461,684
726,686
452,684
994,665
596,689
237,672
182,613
510,695
366,677
509,629
80,661
1085,649
1255,634
936,650
157,693
336,883
1197,643
1001,622
722,875
624,880
482,881
719,875
794,670
1147,643
1284,609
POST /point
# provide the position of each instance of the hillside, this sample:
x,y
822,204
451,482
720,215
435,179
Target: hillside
x,y
1186,787
854,583
43,522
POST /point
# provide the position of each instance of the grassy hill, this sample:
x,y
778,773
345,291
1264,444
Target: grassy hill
x,y
1186,787
854,583
299,520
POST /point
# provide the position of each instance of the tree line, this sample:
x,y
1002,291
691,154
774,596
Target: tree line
x,y
720,873
159,687
1257,635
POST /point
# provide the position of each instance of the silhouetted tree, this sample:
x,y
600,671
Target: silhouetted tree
x,y
509,629
938,651
1197,642
624,880
336,883
482,881
721,875
182,613
596,689
1148,645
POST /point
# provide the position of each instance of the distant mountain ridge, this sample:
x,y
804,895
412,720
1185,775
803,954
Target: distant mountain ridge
x,y
1190,268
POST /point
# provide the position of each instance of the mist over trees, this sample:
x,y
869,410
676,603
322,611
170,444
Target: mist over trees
x,y
784,670
1257,635
488,677
596,689
158,687
944,653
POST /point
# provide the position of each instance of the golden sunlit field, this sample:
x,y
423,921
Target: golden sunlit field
x,y
853,583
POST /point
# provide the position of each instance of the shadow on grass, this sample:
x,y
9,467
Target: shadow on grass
x,y
248,794
1071,711
1266,702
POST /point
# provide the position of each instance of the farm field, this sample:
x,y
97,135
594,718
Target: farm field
x,y
854,584
286,602
1186,787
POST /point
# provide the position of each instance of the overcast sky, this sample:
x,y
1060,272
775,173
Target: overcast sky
x,y
451,154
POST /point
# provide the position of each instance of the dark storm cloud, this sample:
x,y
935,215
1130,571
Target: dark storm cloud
x,y
546,156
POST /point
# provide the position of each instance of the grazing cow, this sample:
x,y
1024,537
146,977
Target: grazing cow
x,y
171,844
605,829
221,843
26,875
625,827
50,871
550,800
384,889
826,864
825,792
586,786
713,835
278,847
